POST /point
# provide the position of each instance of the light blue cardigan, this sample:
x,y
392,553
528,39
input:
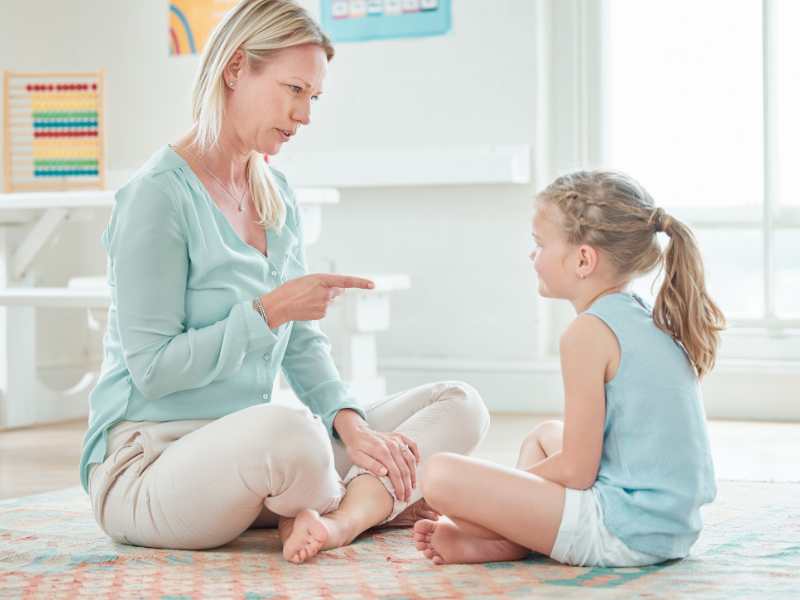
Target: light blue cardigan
x,y
183,340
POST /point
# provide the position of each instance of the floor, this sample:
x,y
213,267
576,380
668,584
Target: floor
x,y
41,459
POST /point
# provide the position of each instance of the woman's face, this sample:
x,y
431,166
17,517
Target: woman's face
x,y
268,104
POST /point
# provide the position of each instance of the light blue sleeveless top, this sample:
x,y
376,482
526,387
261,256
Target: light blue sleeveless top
x,y
656,469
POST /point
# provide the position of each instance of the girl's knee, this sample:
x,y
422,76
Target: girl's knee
x,y
545,429
551,427
545,435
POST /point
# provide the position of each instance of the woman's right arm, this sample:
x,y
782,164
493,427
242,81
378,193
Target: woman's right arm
x,y
147,246
307,297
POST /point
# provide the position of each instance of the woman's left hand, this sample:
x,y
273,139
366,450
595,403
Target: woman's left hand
x,y
389,454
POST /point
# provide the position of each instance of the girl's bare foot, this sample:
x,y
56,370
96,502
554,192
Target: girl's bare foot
x,y
444,543
412,514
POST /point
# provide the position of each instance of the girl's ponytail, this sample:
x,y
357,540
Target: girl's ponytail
x,y
683,307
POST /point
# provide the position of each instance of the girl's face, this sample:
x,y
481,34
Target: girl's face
x,y
553,257
268,105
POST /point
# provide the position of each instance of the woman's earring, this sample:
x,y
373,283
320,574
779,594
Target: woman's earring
x,y
230,84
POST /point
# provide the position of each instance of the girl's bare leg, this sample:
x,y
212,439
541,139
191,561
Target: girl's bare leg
x,y
543,441
521,509
365,504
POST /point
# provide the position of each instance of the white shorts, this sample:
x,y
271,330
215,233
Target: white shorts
x,y
584,540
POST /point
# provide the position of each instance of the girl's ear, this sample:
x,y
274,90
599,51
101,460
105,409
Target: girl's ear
x,y
587,261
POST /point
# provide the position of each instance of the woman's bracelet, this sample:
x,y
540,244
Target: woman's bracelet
x,y
259,308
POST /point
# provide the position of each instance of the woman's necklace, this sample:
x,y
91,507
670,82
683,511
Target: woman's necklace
x,y
240,201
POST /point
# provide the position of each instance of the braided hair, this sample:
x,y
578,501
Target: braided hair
x,y
612,212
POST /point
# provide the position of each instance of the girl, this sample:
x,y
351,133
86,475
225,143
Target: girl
x,y
621,482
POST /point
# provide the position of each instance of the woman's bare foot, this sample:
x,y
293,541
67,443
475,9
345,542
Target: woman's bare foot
x,y
366,503
304,536
412,514
444,543
309,533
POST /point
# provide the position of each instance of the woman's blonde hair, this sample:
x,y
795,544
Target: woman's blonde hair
x,y
612,212
260,28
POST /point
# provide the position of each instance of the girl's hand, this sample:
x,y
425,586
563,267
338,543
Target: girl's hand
x,y
307,298
389,454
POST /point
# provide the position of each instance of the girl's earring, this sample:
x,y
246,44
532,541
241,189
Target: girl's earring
x,y
230,84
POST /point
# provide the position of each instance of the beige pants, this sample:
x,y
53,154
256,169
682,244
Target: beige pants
x,y
200,484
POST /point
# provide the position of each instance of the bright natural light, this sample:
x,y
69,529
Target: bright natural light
x,y
787,65
686,119
787,242
685,103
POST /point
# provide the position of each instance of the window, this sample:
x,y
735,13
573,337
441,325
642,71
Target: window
x,y
702,104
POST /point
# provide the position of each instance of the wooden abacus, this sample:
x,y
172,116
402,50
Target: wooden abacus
x,y
53,131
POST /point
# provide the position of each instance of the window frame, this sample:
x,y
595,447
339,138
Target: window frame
x,y
768,219
572,133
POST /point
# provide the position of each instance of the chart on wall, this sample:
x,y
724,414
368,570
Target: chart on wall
x,y
53,131
192,21
362,20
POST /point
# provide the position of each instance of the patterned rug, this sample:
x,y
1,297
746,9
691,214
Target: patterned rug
x,y
50,547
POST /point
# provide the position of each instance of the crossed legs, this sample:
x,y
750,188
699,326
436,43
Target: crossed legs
x,y
493,513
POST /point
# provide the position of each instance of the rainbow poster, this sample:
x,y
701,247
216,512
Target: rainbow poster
x,y
191,23
53,131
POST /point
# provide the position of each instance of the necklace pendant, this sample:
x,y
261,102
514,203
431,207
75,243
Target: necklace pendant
x,y
241,208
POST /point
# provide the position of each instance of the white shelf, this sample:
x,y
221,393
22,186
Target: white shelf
x,y
381,167
45,200
43,297
105,199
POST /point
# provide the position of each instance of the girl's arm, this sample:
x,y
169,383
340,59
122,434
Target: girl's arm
x,y
587,348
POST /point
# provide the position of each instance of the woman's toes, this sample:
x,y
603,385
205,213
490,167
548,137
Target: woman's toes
x,y
307,537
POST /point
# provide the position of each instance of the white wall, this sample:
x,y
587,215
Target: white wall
x,y
473,298
472,312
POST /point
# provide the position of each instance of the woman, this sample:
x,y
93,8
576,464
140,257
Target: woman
x,y
209,299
